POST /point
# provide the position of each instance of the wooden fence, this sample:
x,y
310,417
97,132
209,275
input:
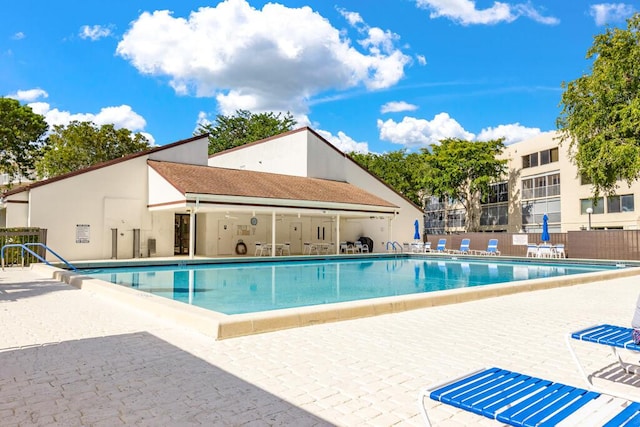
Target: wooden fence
x,y
12,255
594,244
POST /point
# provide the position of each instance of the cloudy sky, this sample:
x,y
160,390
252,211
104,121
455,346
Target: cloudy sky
x,y
374,76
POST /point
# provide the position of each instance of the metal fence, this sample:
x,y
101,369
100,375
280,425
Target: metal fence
x,y
13,255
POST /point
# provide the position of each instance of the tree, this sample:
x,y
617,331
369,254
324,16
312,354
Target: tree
x,y
232,131
79,145
462,171
600,116
399,170
21,136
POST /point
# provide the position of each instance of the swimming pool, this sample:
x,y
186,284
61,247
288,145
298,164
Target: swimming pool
x,y
237,288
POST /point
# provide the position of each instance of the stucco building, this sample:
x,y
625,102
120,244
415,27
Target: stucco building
x,y
542,180
176,200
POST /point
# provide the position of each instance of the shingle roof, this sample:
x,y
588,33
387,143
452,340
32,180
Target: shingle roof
x,y
233,182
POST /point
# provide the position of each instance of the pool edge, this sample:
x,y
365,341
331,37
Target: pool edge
x,y
221,326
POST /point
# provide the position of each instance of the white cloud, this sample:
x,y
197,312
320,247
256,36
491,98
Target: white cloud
x,y
422,60
412,132
511,133
29,95
397,106
94,32
18,36
607,13
466,13
273,59
344,143
122,116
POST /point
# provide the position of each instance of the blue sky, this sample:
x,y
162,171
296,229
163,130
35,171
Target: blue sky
x,y
370,76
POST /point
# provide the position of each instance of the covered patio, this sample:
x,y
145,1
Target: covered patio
x,y
218,209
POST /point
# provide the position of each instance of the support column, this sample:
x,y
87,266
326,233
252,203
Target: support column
x,y
192,233
273,233
338,234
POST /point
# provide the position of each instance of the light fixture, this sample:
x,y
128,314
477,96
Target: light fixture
x,y
589,212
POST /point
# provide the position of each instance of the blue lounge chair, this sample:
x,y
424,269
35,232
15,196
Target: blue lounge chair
x,y
522,400
492,248
614,337
441,247
464,247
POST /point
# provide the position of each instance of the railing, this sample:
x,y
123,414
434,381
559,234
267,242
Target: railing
x,y
394,246
25,247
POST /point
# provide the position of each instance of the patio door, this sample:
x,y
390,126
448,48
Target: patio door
x,y
295,237
225,237
181,234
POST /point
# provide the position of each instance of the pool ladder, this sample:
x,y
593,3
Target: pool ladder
x,y
25,247
394,246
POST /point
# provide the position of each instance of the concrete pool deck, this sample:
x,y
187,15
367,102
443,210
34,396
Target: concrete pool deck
x,y
80,357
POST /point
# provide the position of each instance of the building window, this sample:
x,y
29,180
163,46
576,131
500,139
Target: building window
x,y
530,160
598,208
548,156
497,193
541,186
585,180
455,218
495,214
622,203
533,211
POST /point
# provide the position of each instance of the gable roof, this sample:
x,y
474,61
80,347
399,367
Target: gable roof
x,y
195,179
104,164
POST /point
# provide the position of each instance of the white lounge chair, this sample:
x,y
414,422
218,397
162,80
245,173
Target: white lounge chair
x,y
441,247
612,336
532,250
492,248
464,247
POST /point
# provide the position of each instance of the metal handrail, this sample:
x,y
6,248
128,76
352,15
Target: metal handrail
x,y
24,247
394,246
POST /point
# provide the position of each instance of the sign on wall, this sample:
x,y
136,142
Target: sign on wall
x,y
520,240
82,233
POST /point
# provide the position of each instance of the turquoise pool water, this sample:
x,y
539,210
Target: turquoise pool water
x,y
235,288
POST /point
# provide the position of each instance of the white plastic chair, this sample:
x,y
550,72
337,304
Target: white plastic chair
x,y
532,250
545,251
345,248
360,247
286,248
259,249
559,251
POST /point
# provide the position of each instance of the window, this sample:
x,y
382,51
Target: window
x,y
598,207
622,203
530,160
495,215
585,180
497,193
533,211
541,186
455,218
548,156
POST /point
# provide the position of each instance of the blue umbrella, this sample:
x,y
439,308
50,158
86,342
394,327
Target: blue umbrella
x,y
416,231
545,228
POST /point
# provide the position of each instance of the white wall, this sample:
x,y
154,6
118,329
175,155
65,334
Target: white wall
x,y
105,198
17,210
286,155
194,152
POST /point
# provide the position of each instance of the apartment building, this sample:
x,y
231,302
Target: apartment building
x,y
541,180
